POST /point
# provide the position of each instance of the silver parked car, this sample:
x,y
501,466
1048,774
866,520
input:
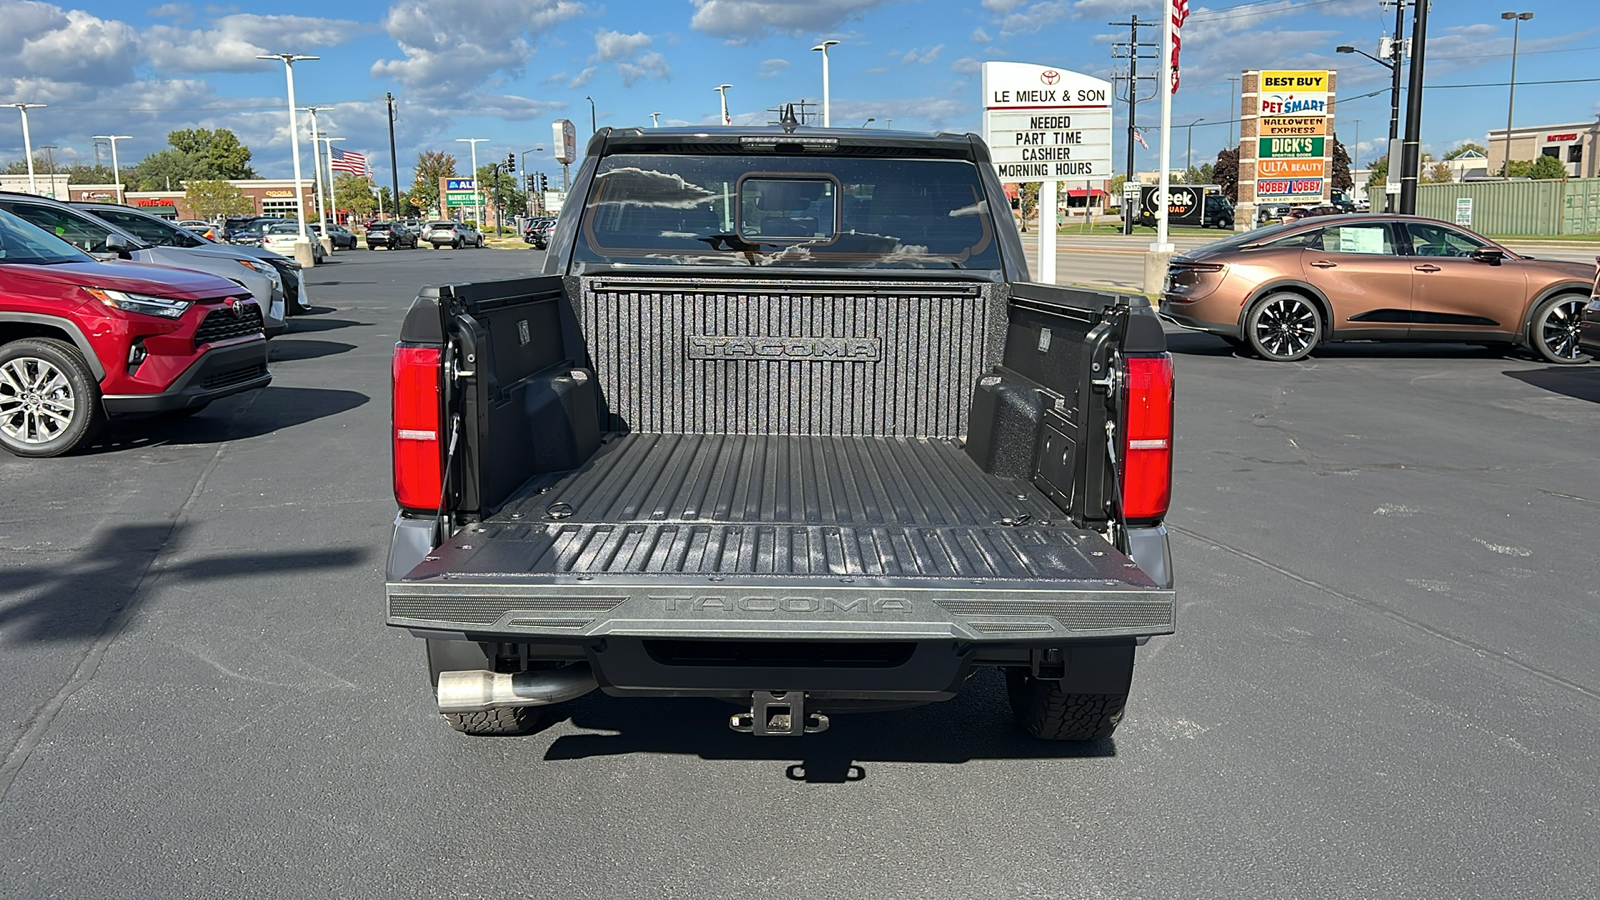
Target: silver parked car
x,y
159,232
100,237
453,234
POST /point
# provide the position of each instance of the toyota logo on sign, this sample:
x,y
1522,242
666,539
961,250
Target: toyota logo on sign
x,y
1049,76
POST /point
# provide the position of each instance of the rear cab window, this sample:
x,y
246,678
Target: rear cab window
x,y
804,211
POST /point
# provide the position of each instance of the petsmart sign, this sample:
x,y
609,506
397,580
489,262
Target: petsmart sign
x,y
1046,124
1294,92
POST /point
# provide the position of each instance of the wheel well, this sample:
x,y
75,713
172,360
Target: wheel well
x,y
1568,291
1321,304
16,331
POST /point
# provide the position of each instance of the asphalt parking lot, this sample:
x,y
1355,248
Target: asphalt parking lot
x,y
1384,683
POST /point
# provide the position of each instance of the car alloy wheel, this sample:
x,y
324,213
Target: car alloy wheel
x,y
1555,330
1283,327
49,401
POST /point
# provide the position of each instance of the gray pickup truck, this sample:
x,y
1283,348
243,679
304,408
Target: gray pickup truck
x,y
784,423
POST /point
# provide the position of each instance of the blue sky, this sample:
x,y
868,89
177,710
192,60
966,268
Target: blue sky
x,y
504,69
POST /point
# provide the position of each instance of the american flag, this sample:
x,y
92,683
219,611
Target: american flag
x,y
346,161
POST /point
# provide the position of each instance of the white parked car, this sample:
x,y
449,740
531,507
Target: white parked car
x,y
280,237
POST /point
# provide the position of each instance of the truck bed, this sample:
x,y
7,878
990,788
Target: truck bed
x,y
689,535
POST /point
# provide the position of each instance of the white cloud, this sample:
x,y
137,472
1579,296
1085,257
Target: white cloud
x,y
979,36
232,42
741,20
452,46
1034,18
83,49
922,58
1001,6
582,78
651,65
609,45
966,65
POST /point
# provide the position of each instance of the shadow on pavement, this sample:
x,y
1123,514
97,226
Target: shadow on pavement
x,y
80,597
976,724
1578,382
1191,343
284,349
302,324
268,410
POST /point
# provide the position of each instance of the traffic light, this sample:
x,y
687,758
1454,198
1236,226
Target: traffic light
x,y
544,183
511,163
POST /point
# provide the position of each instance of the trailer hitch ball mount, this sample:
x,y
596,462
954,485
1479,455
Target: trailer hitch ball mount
x,y
778,713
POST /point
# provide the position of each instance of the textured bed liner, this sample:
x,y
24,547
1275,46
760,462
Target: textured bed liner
x,y
742,506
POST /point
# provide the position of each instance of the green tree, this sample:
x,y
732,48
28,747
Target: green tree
x,y
1341,178
500,190
1464,147
216,154
1200,174
432,165
211,199
1438,173
1226,172
1377,174
1542,168
354,192
1027,201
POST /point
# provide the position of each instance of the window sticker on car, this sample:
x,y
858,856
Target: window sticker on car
x,y
1361,240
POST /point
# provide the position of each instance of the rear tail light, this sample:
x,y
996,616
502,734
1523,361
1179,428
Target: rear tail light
x,y
1147,442
418,451
1198,267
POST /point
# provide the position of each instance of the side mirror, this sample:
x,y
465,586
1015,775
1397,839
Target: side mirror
x,y
1491,255
121,246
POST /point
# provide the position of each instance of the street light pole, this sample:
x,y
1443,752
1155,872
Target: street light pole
x,y
1397,48
827,119
116,171
302,247
723,90
316,170
27,142
1355,160
655,120
1516,19
1188,152
594,123
1412,149
477,195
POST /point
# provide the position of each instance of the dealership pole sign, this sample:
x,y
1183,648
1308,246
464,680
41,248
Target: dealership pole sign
x,y
1046,124
1284,153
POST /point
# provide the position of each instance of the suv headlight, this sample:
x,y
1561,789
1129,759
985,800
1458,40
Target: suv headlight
x,y
140,303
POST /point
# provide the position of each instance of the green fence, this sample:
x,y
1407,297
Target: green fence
x,y
1516,207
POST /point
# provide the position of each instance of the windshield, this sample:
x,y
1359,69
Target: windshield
x,y
24,244
149,229
788,211
283,228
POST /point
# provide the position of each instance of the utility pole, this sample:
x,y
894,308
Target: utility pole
x,y
1412,152
1397,55
1132,52
394,164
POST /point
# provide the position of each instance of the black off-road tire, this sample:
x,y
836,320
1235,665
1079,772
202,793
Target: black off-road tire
x,y
495,722
1046,710
451,656
81,391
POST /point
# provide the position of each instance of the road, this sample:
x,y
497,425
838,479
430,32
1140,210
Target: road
x,y
1384,682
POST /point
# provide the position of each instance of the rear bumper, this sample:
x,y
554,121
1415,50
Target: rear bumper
x,y
220,372
1184,314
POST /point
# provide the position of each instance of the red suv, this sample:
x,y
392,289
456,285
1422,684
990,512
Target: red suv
x,y
81,340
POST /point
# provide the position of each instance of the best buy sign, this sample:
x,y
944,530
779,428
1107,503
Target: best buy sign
x,y
1291,147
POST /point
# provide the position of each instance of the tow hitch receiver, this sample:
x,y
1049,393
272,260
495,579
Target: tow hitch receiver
x,y
778,713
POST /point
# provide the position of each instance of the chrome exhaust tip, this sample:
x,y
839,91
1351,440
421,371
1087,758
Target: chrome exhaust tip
x,y
476,690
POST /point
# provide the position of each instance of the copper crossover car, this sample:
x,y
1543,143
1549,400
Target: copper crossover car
x,y
1284,289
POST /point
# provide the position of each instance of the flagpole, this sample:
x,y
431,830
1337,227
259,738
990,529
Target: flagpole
x,y
1163,242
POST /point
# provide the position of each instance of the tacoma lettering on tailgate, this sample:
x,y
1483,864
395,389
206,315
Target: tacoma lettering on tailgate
x,y
871,605
715,346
